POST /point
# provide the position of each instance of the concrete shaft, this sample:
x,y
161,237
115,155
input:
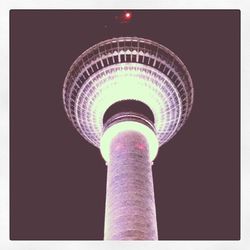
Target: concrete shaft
x,y
130,204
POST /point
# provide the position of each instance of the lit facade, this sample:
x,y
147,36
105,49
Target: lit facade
x,y
128,96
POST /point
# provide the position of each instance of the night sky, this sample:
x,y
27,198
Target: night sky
x,y
58,180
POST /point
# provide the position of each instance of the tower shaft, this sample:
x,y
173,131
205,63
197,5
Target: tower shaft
x,y
130,204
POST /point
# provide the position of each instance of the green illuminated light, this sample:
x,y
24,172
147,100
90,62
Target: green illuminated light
x,y
126,82
123,126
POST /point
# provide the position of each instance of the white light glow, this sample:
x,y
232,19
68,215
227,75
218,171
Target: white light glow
x,y
128,68
126,82
120,127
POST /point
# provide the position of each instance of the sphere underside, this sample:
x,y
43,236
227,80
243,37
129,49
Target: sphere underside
x,y
127,69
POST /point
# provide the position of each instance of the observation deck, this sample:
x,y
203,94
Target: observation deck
x,y
127,68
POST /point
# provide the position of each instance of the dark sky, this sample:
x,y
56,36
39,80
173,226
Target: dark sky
x,y
58,180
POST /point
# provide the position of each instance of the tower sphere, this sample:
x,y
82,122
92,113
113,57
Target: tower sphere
x,y
123,69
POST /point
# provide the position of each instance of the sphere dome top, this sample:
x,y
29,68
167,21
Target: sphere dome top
x,y
127,68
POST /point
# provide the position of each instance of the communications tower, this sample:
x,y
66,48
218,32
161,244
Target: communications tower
x,y
128,96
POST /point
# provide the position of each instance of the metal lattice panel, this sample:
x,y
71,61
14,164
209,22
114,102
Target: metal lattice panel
x,y
127,68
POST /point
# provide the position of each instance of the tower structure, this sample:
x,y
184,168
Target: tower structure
x,y
128,96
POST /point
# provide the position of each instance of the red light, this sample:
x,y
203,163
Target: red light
x,y
124,17
127,15
141,146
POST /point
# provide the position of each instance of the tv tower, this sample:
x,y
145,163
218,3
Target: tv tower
x,y
128,96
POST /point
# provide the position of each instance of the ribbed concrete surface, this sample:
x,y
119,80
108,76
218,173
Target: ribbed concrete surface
x,y
130,205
